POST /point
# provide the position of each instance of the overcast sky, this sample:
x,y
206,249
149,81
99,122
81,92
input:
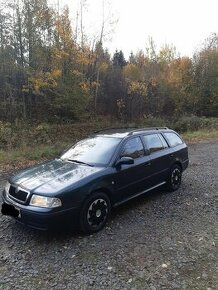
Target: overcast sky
x,y
183,23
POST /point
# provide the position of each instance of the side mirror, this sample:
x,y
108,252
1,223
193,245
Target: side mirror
x,y
124,160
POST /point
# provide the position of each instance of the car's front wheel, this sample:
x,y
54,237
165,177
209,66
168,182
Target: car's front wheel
x,y
175,178
95,212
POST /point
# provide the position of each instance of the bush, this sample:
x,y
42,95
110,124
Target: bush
x,y
194,123
151,121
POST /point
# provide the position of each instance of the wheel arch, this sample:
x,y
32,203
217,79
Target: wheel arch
x,y
103,190
179,163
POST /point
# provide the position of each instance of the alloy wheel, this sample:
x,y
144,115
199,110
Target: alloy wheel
x,y
97,212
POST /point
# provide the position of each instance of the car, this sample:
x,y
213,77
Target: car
x,y
93,176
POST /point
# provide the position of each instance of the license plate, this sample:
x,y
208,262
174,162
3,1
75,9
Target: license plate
x,y
8,209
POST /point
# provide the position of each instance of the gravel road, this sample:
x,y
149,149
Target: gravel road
x,y
158,241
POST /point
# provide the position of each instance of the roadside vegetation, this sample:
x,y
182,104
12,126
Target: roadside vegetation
x,y
25,144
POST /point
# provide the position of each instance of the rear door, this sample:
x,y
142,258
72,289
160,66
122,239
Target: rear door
x,y
179,150
159,156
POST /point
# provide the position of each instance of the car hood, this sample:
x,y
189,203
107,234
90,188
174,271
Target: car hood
x,y
53,176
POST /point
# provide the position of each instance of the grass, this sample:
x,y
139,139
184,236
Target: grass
x,y
29,155
26,156
203,134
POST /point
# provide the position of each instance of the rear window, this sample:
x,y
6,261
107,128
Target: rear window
x,y
153,142
173,139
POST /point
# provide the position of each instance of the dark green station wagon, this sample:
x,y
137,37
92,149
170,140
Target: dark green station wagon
x,y
96,174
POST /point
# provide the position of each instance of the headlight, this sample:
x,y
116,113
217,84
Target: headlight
x,y
7,187
44,201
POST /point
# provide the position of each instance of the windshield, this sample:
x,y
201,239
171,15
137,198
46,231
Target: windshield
x,y
95,150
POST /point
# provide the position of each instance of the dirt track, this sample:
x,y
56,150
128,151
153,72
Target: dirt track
x,y
159,241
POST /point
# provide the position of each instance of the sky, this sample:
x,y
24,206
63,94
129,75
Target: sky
x,y
183,23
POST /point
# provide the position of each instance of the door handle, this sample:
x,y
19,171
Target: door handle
x,y
171,155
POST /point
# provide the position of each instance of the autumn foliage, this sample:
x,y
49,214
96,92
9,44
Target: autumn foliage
x,y
48,74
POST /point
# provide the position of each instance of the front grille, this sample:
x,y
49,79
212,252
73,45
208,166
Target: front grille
x,y
19,194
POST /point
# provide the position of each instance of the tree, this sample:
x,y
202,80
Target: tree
x,y
206,78
180,80
118,59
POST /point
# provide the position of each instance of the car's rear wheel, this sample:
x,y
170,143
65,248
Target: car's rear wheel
x,y
95,212
175,178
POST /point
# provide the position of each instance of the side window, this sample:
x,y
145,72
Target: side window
x,y
173,139
133,148
153,142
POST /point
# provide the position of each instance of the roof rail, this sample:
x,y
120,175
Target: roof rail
x,y
149,128
114,128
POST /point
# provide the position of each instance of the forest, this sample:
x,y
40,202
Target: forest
x,y
51,72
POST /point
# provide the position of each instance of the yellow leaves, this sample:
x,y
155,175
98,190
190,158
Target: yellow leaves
x,y
180,71
42,81
132,72
167,53
63,29
103,67
136,87
59,54
77,74
136,82
185,63
56,73
85,87
83,58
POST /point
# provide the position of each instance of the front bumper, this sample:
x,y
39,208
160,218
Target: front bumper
x,y
40,218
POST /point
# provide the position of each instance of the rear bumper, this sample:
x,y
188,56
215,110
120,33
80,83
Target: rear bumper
x,y
42,219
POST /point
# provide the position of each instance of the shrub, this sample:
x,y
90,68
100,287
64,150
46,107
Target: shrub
x,y
194,123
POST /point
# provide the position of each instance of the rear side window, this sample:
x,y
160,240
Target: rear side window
x,y
153,142
133,148
173,139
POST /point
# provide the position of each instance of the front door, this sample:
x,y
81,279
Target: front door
x,y
131,179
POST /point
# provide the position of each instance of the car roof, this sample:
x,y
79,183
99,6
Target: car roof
x,y
124,132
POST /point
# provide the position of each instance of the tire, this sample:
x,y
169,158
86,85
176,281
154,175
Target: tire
x,y
95,213
175,178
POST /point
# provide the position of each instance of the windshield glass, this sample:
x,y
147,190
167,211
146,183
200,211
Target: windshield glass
x,y
95,150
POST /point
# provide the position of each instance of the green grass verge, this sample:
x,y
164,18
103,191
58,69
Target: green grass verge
x,y
26,156
196,136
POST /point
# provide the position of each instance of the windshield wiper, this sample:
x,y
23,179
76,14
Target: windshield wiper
x,y
80,162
